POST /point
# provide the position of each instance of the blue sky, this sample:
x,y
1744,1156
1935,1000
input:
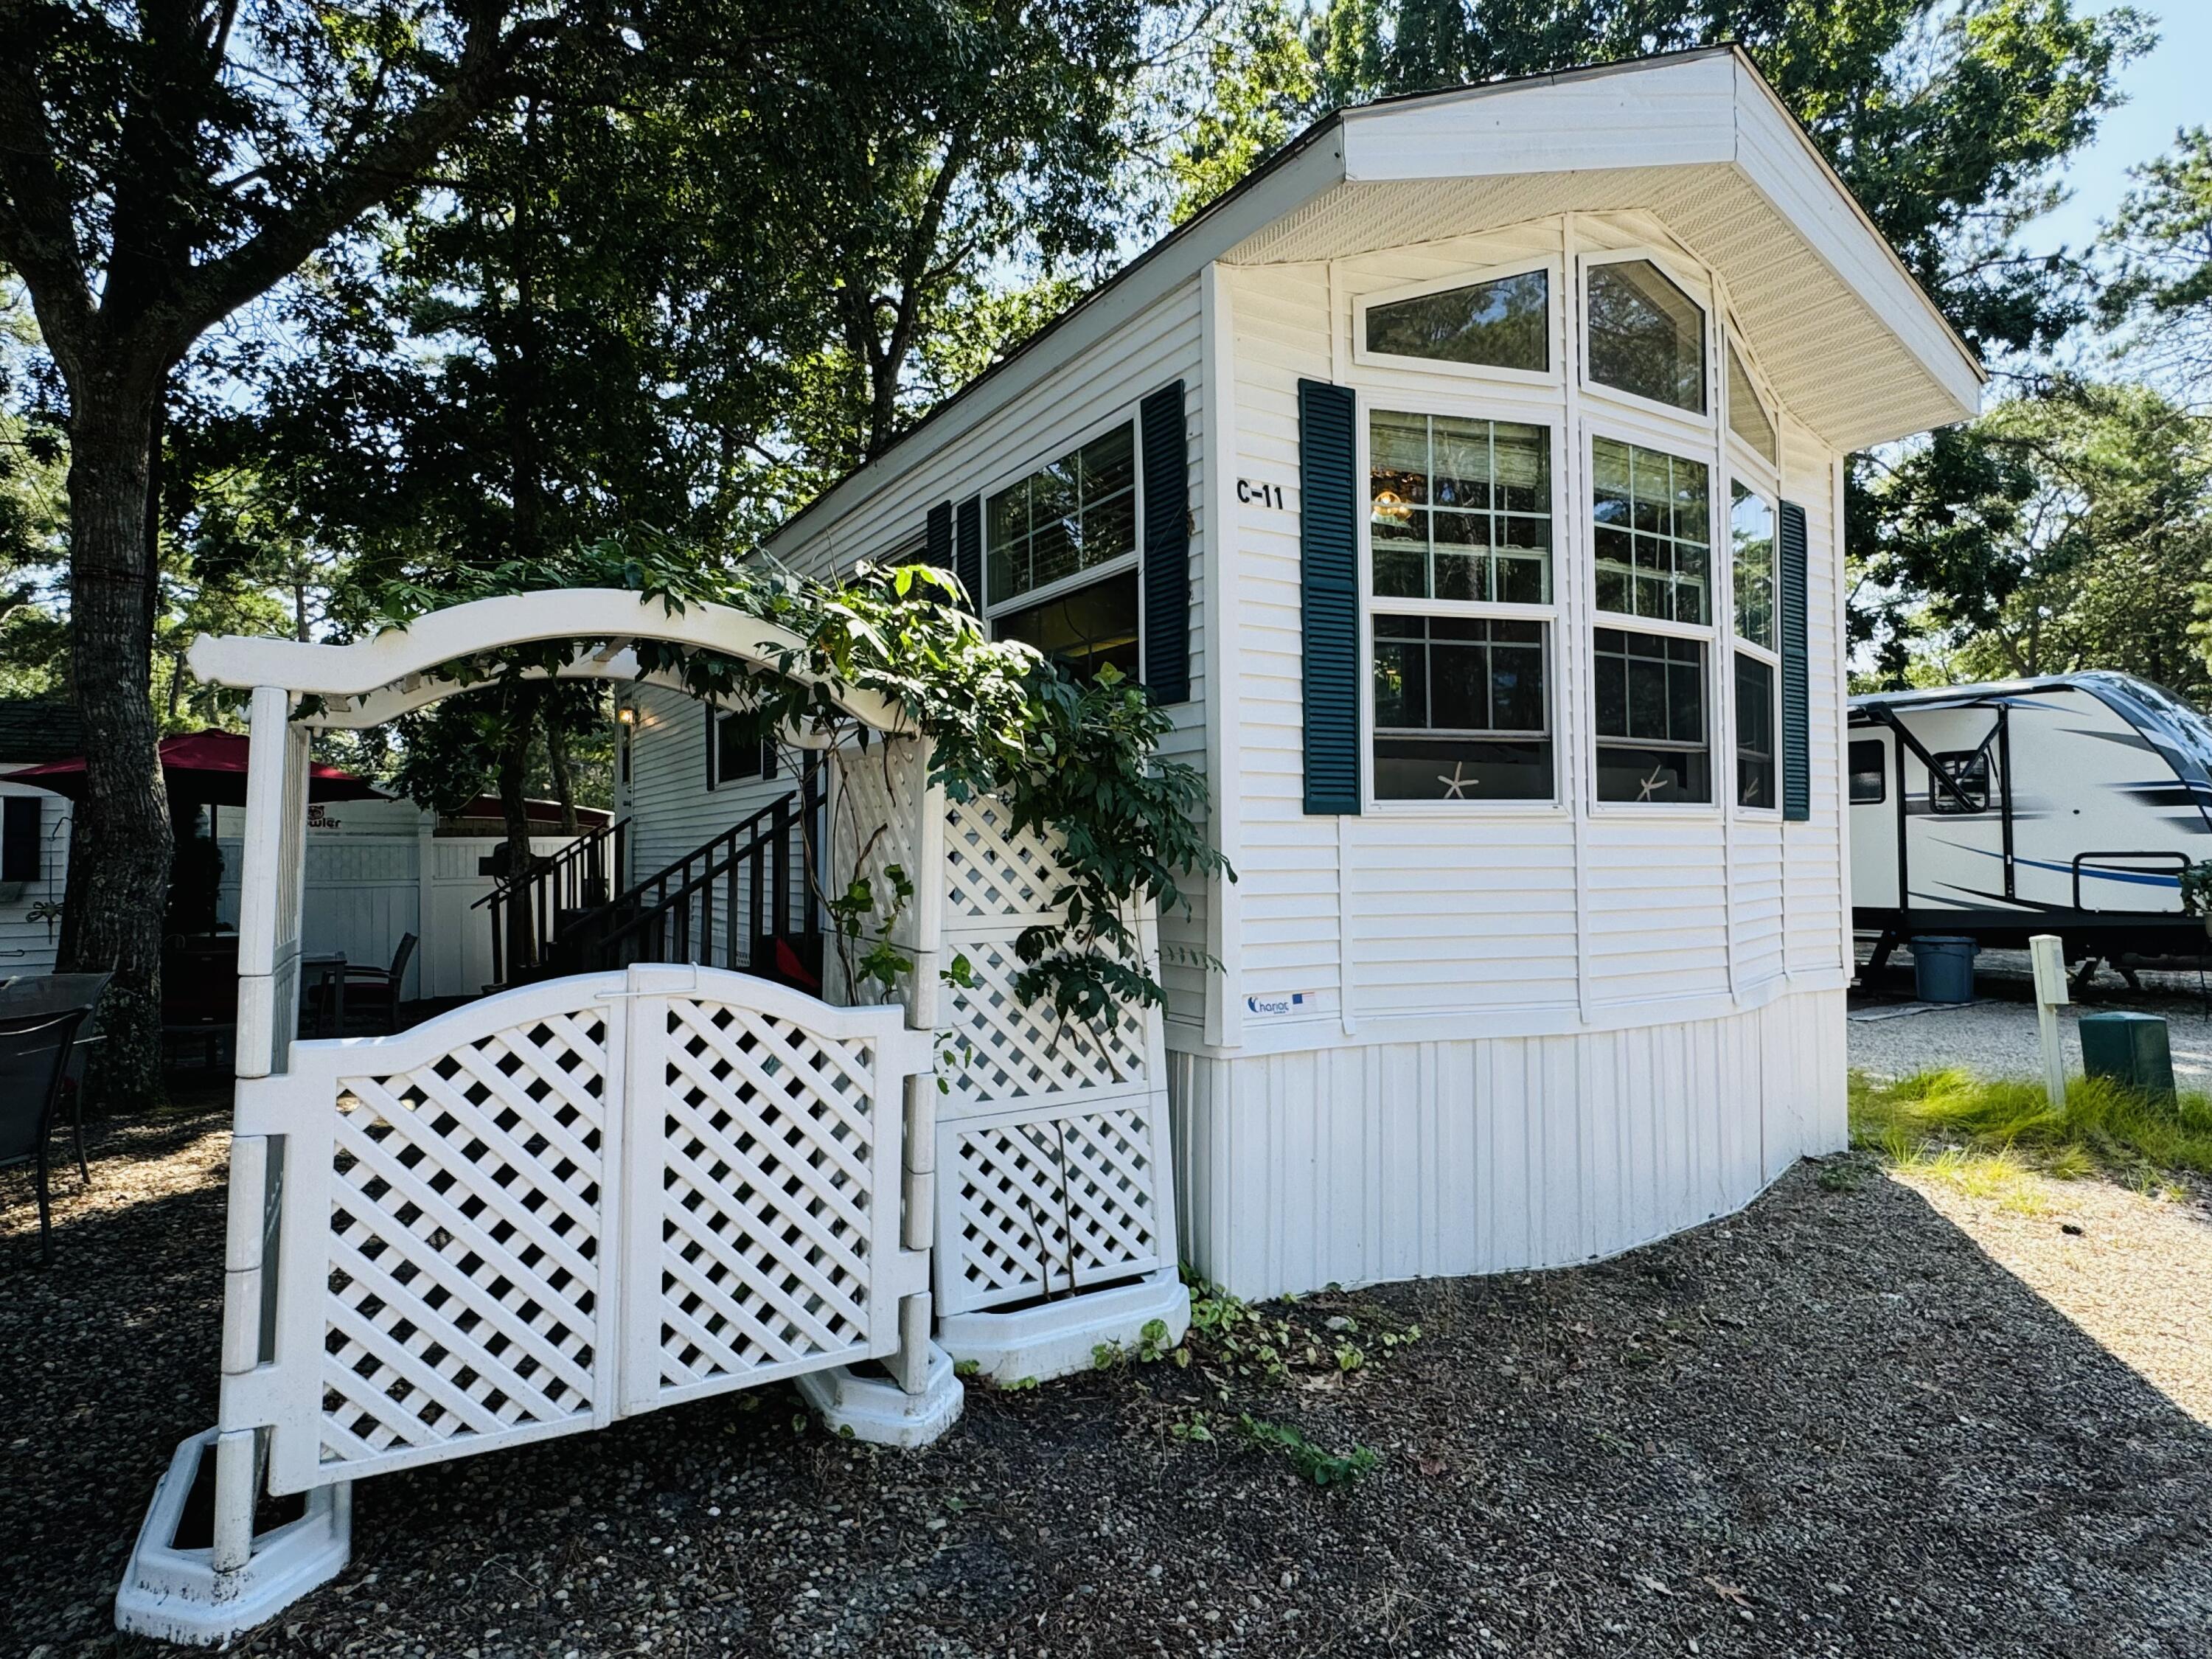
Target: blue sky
x,y
2168,87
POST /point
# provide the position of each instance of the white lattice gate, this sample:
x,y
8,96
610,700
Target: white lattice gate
x,y
573,1202
1053,1167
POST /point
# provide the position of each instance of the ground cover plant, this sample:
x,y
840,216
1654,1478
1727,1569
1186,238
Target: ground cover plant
x,y
1977,1127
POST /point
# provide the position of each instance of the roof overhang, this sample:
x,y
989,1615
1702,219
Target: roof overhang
x,y
1852,344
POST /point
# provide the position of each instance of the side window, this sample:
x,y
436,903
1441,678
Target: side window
x,y
732,757
19,838
1870,763
1968,768
1061,570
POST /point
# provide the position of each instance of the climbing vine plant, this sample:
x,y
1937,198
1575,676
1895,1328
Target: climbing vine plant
x,y
1082,760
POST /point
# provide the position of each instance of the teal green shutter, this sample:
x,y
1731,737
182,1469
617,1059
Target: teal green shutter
x,y
968,556
1796,687
937,541
1328,544
1167,546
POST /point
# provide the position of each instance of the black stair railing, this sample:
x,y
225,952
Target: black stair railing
x,y
728,903
579,878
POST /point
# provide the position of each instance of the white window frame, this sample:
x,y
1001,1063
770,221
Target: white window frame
x,y
1770,656
1133,560
1555,334
1700,291
1719,731
1467,405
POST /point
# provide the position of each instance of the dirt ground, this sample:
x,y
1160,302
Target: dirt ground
x,y
1833,1425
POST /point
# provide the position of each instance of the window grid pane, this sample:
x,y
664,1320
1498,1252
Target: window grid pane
x,y
1652,532
1650,697
1077,513
1461,710
1459,509
1750,535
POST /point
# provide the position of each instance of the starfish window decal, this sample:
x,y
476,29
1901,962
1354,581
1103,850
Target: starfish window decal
x,y
1456,787
1654,784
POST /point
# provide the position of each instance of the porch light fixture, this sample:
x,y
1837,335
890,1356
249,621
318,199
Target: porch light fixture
x,y
626,713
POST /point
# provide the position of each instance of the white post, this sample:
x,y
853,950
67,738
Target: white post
x,y
925,1003
269,896
2048,955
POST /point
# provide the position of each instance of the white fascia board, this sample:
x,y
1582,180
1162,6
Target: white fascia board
x,y
1171,264
1680,113
1781,163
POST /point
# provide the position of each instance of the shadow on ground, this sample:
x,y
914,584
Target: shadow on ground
x,y
1829,1425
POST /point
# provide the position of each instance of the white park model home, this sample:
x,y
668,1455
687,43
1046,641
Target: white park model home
x,y
1469,483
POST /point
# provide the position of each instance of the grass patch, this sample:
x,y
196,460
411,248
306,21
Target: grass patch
x,y
1986,1137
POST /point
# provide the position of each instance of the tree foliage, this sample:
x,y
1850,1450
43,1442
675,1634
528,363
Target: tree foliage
x,y
2068,530
2160,243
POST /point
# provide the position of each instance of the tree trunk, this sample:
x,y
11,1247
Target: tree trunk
x,y
564,776
121,841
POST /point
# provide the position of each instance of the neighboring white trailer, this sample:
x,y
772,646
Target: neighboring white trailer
x,y
2065,805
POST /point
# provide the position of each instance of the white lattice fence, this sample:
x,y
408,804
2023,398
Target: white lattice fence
x,y
1040,1201
571,1202
1053,1172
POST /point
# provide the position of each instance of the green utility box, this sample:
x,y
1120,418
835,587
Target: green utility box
x,y
2129,1048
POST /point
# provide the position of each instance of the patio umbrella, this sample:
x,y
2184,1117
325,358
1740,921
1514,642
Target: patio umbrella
x,y
203,768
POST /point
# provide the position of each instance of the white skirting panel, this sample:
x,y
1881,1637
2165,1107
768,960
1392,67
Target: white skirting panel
x,y
1361,1164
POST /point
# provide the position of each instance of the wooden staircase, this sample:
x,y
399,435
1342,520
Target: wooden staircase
x,y
744,900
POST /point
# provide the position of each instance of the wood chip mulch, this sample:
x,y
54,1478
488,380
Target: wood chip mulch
x,y
1832,1426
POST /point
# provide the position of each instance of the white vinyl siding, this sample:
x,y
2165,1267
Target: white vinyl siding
x,y
1401,1160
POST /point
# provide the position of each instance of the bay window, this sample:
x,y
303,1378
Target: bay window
x,y
1460,531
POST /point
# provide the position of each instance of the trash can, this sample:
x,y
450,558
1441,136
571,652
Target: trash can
x,y
2129,1048
1943,967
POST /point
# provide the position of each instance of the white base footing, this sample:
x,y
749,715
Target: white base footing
x,y
872,1407
177,1595
1057,1338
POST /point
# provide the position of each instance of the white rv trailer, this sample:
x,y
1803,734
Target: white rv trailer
x,y
2068,805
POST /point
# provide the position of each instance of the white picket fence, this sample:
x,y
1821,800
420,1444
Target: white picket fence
x,y
570,1203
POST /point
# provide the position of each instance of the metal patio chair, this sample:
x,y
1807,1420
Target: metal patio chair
x,y
376,988
33,1060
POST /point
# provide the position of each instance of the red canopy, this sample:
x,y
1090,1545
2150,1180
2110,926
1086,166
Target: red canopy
x,y
203,768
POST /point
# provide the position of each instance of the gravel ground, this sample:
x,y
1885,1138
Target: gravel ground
x,y
1832,1426
2133,1270
1996,1036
